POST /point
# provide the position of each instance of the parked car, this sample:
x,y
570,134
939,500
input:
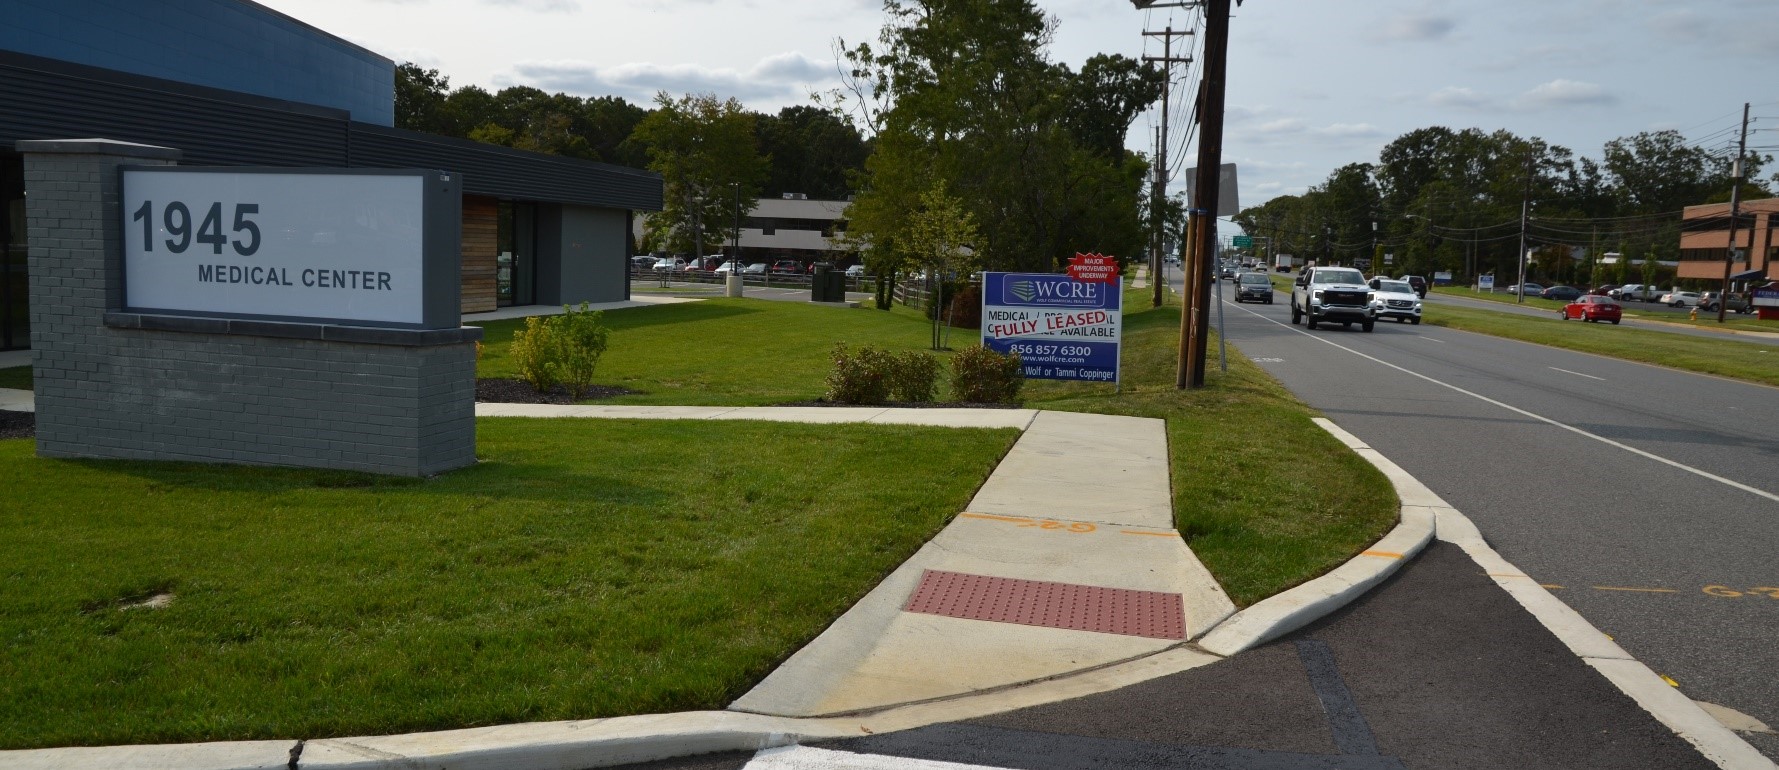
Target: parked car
x,y
855,271
756,268
1680,298
787,267
1635,291
1592,307
1526,290
1253,286
1395,299
1737,303
727,267
643,262
1564,293
669,264
1419,284
1606,289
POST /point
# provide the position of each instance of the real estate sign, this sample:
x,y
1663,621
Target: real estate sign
x,y
1062,328
362,246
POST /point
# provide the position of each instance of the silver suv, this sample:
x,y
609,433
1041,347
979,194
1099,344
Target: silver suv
x,y
1335,294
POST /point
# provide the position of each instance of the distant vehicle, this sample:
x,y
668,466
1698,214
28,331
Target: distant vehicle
x,y
1419,284
1334,295
1680,298
1737,303
669,264
1526,290
855,271
1564,293
787,267
643,262
757,268
1253,286
727,267
1284,262
1635,291
1592,307
705,264
1395,299
1228,271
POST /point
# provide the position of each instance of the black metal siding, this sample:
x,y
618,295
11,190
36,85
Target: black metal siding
x,y
46,99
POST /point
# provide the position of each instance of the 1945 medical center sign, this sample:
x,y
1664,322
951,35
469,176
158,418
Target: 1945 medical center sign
x,y
1062,328
354,245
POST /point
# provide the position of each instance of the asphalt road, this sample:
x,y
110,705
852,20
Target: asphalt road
x,y
1436,668
1637,314
1650,496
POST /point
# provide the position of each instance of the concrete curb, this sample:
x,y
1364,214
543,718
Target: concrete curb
x,y
1667,704
1283,613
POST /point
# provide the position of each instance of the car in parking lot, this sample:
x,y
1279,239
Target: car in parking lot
x,y
855,271
1737,303
1635,291
1395,299
669,264
1592,307
643,262
1526,290
1253,286
1680,299
1564,293
756,268
787,267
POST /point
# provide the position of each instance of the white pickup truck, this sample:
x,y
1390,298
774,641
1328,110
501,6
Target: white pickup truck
x,y
1336,294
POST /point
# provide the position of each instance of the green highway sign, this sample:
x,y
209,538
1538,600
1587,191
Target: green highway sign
x,y
1244,241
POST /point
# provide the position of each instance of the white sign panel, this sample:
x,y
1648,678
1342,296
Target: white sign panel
x,y
324,246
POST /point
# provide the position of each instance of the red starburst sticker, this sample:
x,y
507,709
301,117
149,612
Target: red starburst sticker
x,y
1094,268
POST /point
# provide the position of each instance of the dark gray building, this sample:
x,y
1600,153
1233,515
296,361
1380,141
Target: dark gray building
x,y
230,82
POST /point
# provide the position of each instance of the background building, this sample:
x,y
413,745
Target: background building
x,y
232,83
1705,236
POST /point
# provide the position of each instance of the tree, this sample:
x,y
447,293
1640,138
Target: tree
x,y
812,151
1659,171
420,99
939,238
700,146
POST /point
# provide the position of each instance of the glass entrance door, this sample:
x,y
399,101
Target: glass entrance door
x,y
515,262
15,310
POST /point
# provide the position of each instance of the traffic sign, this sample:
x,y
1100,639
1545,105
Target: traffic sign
x,y
1244,241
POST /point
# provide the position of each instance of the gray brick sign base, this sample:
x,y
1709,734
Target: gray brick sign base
x,y
116,384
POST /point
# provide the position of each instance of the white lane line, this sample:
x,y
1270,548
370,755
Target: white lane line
x,y
806,758
1430,339
1516,410
1579,374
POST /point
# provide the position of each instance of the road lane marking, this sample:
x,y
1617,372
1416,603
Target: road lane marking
x,y
1578,374
1541,418
1384,554
1640,590
1430,339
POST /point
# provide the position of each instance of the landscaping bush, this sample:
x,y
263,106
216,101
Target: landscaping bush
x,y
859,377
580,338
980,375
966,307
534,352
914,376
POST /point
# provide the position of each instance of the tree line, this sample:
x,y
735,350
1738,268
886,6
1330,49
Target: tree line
x,y
1442,199
962,144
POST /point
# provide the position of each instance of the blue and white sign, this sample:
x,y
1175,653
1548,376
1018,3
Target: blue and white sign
x,y
1062,329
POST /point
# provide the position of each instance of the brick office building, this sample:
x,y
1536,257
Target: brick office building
x,y
233,83
1705,237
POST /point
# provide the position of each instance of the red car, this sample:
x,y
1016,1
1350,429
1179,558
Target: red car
x,y
1593,307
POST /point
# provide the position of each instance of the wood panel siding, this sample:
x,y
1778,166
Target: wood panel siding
x,y
481,243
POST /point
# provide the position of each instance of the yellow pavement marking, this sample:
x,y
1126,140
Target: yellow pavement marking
x,y
1639,590
1076,527
1670,681
1385,554
992,517
1550,585
1151,534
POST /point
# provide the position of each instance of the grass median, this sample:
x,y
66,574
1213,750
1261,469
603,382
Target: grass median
x,y
1731,358
585,568
17,377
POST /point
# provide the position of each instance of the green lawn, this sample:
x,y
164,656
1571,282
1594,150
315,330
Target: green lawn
x,y
1735,359
18,377
1640,310
584,568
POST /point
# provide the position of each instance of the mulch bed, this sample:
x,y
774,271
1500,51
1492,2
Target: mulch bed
x,y
509,391
18,425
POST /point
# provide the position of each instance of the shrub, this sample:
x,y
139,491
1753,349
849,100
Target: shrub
x,y
966,307
983,376
859,377
534,351
913,376
580,339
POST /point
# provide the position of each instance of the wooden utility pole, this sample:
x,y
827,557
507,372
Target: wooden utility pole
x,y
1729,255
1204,206
1519,292
1167,60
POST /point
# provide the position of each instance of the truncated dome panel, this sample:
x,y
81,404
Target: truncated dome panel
x,y
1054,605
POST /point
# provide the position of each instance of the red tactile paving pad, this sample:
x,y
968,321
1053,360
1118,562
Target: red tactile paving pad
x,y
1054,605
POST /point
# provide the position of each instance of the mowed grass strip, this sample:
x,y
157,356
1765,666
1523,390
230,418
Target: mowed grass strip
x,y
732,352
585,568
16,377
1735,359
1264,497
1640,310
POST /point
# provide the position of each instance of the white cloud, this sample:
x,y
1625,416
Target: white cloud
x,y
1349,130
1281,126
539,6
779,79
1460,98
1414,29
1565,93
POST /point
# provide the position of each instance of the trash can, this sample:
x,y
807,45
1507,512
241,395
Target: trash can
x,y
823,286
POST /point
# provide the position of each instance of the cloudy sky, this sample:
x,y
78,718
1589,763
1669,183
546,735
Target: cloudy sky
x,y
1313,84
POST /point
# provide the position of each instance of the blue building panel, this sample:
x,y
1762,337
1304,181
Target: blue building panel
x,y
229,44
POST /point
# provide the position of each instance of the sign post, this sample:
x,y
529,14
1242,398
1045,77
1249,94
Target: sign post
x,y
1063,327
